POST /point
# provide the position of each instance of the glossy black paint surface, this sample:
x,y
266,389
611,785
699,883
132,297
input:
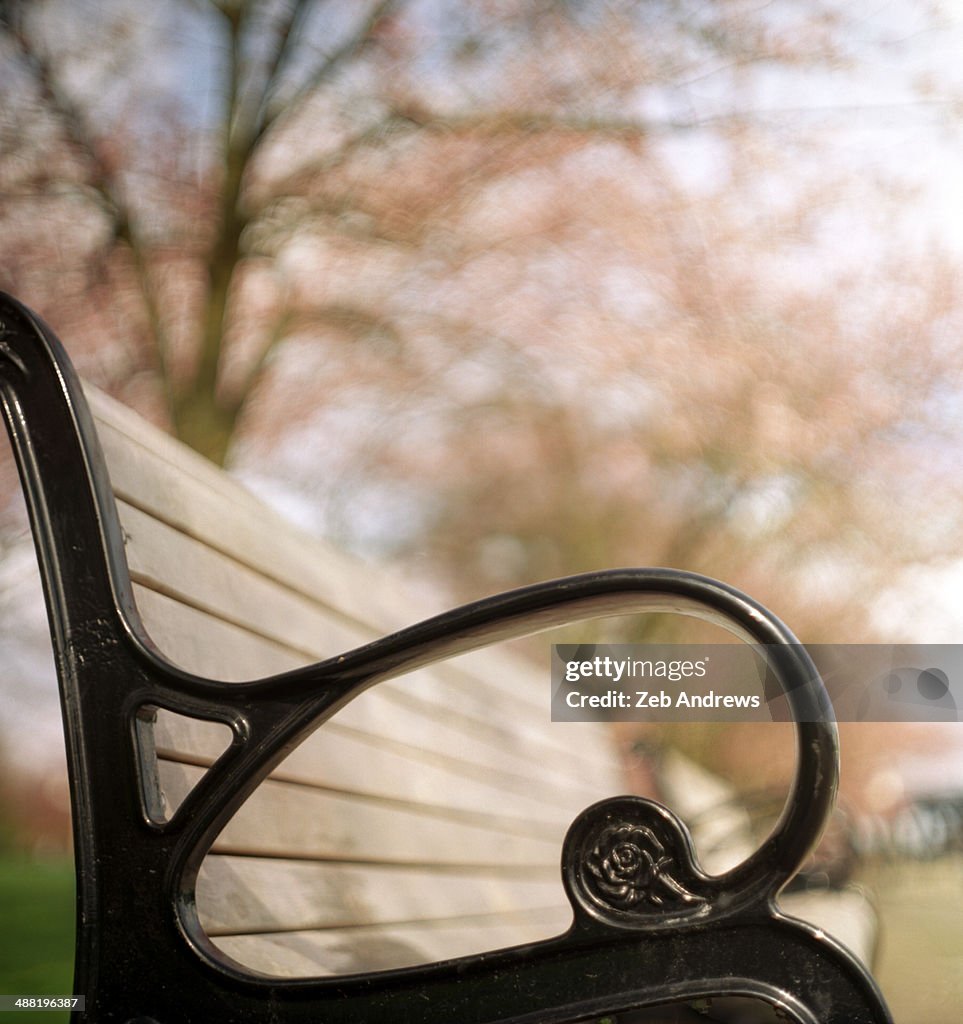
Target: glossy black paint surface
x,y
669,932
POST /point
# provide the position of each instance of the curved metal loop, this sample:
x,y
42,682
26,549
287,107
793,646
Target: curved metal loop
x,y
624,591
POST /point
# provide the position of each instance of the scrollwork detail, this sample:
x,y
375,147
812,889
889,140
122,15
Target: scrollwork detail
x,y
630,860
629,867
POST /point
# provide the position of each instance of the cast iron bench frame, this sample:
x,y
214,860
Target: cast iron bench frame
x,y
141,953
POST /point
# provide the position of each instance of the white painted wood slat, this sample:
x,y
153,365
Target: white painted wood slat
x,y
355,950
291,821
326,896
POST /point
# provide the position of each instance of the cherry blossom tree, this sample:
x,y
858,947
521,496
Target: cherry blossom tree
x,y
527,287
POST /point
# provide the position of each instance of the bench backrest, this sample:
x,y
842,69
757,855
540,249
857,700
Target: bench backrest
x,y
425,820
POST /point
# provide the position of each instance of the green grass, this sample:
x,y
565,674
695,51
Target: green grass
x,y
36,933
920,962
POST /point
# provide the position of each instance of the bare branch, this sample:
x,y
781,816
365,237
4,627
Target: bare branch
x,y
103,179
287,34
528,122
355,320
327,67
409,120
312,170
71,119
497,122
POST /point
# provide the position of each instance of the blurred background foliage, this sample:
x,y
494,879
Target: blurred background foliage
x,y
514,288
507,289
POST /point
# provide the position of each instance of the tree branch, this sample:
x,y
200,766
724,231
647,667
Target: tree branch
x,y
523,122
102,177
497,122
356,320
70,117
314,169
225,249
288,33
273,111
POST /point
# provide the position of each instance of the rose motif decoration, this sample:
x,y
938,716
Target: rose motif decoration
x,y
628,868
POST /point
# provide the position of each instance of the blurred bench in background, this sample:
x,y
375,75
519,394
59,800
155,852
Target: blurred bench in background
x,y
725,828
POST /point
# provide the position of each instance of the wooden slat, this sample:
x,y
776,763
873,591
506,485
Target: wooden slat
x,y
376,719
187,502
498,815
229,590
206,645
189,493
354,950
362,764
297,822
358,604
249,895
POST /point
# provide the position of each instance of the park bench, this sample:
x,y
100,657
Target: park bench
x,y
291,805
